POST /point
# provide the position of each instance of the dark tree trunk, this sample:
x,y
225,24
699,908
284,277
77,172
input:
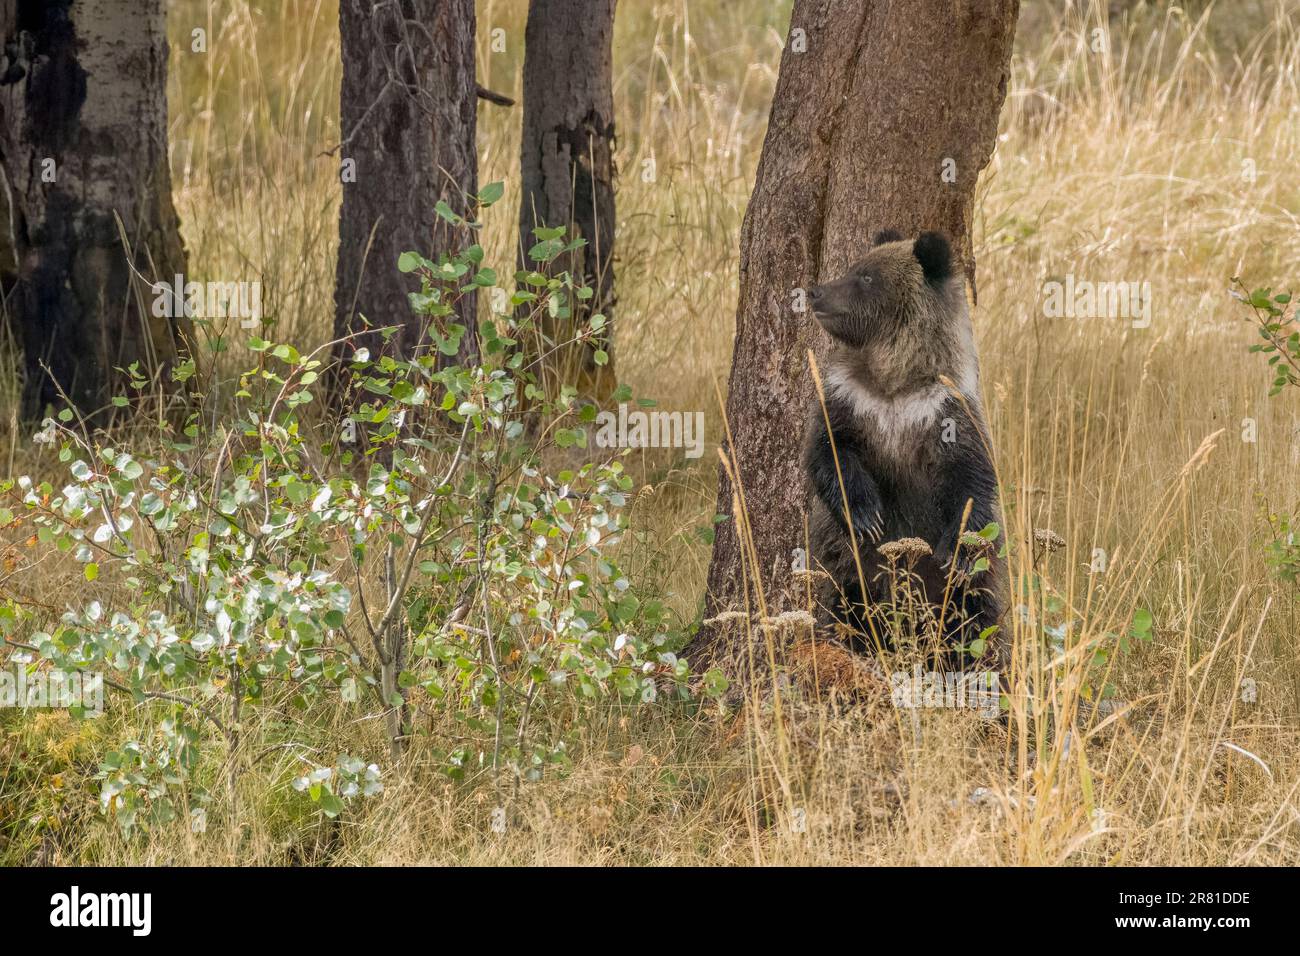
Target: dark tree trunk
x,y
83,138
567,167
885,120
407,114
8,254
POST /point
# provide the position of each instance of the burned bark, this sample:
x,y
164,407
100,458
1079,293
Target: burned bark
x,y
83,143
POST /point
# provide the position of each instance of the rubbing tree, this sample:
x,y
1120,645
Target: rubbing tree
x,y
883,116
567,167
83,145
407,113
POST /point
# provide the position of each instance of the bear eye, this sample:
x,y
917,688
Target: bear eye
x,y
865,278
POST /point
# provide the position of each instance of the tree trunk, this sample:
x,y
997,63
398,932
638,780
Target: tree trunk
x,y
83,139
407,113
567,168
8,254
884,120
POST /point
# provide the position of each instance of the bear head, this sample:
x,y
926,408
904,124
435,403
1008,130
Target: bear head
x,y
890,286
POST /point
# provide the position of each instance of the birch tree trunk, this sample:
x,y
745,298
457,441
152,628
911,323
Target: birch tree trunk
x,y
884,114
83,142
407,113
567,167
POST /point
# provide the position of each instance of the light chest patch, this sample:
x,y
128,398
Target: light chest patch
x,y
900,419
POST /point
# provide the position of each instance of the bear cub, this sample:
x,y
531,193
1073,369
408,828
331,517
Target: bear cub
x,y
912,451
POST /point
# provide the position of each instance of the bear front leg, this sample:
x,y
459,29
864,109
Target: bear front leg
x,y
967,476
858,488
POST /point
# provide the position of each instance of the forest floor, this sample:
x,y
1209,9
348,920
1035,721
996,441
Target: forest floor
x,y
1163,154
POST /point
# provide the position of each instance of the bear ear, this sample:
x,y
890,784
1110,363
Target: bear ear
x,y
886,235
935,255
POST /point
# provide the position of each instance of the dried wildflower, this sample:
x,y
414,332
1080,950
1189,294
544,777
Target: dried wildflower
x,y
726,617
808,575
791,619
1048,540
905,549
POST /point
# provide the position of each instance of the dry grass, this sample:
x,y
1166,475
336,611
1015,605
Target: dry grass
x,y
1132,164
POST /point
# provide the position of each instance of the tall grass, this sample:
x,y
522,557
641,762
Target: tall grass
x,y
1163,156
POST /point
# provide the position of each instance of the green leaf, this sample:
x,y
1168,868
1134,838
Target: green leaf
x,y
287,353
445,212
1142,622
330,805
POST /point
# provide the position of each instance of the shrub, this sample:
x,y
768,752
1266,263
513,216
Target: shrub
x,y
427,549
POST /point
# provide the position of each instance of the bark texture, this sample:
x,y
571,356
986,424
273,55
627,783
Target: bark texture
x,y
885,119
83,138
567,165
407,112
